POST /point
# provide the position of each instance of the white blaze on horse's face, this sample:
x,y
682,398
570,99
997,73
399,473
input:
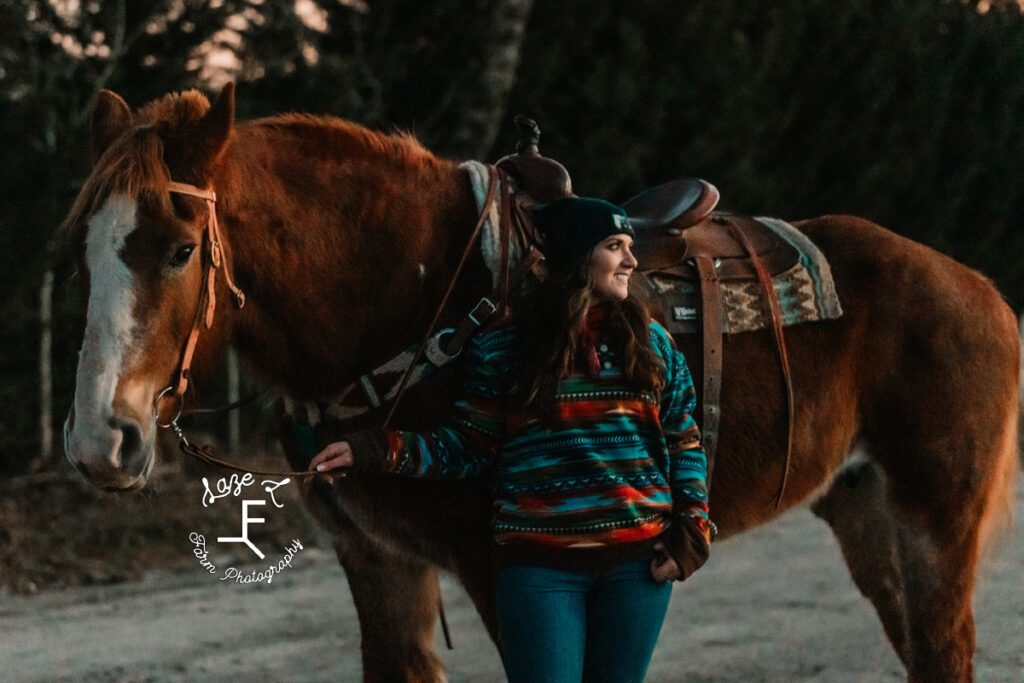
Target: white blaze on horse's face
x,y
106,437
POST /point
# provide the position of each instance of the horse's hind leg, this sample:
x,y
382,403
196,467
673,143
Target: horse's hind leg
x,y
937,572
857,509
911,523
948,449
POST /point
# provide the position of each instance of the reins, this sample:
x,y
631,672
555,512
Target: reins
x,y
228,407
487,307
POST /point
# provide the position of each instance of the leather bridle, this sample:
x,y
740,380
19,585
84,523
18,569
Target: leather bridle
x,y
216,260
454,339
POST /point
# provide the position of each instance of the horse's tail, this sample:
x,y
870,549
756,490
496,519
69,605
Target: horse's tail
x,y
999,510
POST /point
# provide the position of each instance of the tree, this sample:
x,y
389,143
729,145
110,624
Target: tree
x,y
909,112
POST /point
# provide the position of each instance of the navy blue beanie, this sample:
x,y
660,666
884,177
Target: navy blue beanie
x,y
573,226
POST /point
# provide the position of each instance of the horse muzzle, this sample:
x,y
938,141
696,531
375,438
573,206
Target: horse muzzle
x,y
112,454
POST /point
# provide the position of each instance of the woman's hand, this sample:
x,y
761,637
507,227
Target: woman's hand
x,y
663,567
333,461
337,459
687,542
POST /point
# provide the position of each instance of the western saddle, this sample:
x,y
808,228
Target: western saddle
x,y
679,235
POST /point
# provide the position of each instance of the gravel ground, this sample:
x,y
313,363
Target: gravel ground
x,y
775,604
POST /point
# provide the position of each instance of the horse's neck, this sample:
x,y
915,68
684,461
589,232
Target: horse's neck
x,y
346,261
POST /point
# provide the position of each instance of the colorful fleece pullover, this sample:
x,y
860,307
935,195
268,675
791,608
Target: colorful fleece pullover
x,y
611,467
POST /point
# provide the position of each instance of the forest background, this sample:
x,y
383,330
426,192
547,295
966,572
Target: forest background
x,y
907,112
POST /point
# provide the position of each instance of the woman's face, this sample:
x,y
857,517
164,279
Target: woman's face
x,y
611,264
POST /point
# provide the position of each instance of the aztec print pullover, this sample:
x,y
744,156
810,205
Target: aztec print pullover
x,y
611,469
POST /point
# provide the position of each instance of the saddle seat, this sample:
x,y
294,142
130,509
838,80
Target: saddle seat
x,y
675,224
671,207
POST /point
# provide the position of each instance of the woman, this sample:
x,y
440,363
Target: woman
x,y
580,408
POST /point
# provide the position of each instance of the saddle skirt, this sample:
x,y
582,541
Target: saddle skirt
x,y
801,276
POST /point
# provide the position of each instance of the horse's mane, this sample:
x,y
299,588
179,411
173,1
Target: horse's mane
x,y
134,163
336,137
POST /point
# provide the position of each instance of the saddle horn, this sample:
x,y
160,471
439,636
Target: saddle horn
x,y
541,177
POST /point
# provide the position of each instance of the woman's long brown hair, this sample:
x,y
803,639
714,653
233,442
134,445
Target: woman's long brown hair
x,y
552,320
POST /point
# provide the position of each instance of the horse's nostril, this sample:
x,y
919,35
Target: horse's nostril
x,y
131,440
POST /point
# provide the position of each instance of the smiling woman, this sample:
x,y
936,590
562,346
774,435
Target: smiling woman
x,y
610,267
585,422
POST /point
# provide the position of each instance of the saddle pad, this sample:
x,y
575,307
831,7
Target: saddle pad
x,y
806,292
490,234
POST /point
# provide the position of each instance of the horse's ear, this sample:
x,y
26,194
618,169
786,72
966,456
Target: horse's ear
x,y
110,119
215,127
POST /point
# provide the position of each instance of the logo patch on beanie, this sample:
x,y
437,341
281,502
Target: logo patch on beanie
x,y
622,222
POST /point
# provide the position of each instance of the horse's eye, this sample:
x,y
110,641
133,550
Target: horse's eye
x,y
182,255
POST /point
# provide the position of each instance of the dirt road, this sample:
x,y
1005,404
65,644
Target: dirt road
x,y
775,604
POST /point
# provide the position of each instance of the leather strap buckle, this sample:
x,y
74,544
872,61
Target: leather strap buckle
x,y
483,310
215,254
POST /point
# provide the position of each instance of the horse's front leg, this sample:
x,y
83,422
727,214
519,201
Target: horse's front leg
x,y
397,601
396,595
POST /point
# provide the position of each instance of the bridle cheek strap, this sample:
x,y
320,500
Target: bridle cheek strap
x,y
216,259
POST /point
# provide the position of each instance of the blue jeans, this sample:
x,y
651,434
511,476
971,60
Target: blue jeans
x,y
559,626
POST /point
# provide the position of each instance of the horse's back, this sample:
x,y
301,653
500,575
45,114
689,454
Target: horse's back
x,y
921,370
923,313
906,277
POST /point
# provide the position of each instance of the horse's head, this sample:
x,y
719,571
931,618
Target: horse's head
x,y
141,259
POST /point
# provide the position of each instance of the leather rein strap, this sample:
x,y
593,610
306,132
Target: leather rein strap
x,y
492,194
487,307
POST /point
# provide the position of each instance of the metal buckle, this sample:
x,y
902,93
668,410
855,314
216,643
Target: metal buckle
x,y
478,318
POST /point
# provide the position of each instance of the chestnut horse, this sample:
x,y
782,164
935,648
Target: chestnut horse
x,y
343,240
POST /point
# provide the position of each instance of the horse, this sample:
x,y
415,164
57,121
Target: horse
x,y
344,239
